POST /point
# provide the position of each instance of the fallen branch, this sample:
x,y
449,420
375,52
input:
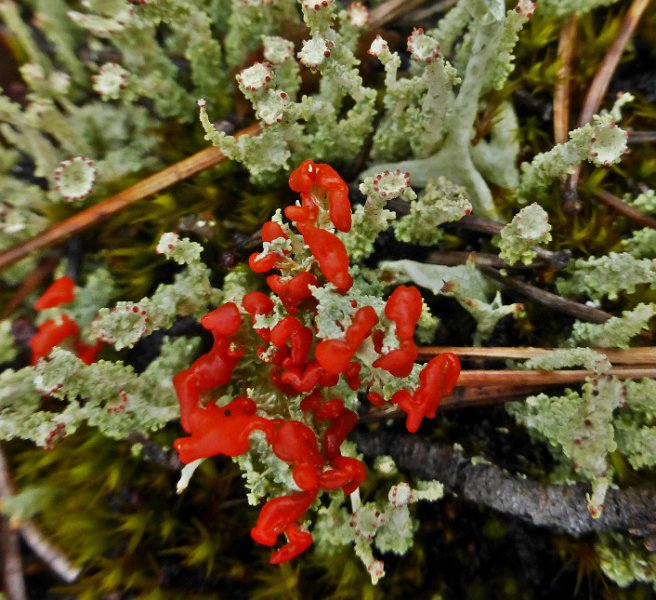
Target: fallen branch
x,y
106,208
559,507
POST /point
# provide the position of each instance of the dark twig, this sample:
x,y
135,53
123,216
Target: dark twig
x,y
31,282
623,208
559,260
569,307
481,259
480,224
561,508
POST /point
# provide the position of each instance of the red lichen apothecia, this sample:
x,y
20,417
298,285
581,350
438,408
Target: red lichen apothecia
x,y
279,332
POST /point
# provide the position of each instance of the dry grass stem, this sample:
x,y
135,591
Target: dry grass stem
x,y
630,356
506,377
623,208
605,72
31,282
390,10
566,49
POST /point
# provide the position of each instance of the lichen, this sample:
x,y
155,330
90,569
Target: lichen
x,y
607,276
528,228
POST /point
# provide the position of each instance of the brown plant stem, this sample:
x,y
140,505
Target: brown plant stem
x,y
476,388
559,507
31,282
601,81
480,224
548,299
390,10
423,14
624,209
460,398
110,206
474,378
606,70
566,50
630,356
641,137
474,397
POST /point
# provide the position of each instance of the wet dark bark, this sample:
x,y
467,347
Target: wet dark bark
x,y
559,507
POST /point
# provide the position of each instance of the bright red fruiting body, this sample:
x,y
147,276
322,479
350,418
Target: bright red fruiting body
x,y
61,291
292,290
53,332
404,308
318,183
331,255
436,379
301,367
